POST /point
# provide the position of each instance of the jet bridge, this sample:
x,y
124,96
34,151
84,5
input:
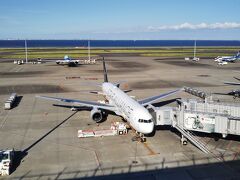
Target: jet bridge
x,y
209,117
200,116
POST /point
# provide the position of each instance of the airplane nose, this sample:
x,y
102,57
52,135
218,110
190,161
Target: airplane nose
x,y
146,128
151,126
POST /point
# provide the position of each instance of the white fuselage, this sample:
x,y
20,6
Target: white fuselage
x,y
220,58
137,115
66,62
226,58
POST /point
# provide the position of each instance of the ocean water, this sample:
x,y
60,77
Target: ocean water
x,y
114,43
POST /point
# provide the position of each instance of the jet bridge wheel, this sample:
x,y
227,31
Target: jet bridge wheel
x,y
184,141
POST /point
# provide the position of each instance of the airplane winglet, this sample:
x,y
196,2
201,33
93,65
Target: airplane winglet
x,y
236,78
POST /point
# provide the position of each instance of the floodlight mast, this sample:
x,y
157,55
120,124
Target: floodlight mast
x,y
194,53
89,51
26,51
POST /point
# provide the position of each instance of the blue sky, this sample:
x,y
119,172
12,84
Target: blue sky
x,y
120,19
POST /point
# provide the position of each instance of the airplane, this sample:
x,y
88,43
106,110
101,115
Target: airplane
x,y
234,93
118,102
233,83
221,59
68,61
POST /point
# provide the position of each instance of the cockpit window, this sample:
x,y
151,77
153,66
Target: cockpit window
x,y
145,121
3,156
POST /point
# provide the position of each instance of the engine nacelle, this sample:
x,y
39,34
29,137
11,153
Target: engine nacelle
x,y
97,115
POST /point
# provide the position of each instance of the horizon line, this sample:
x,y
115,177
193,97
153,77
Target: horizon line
x,y
20,39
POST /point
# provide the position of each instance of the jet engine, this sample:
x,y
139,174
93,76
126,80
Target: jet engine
x,y
98,115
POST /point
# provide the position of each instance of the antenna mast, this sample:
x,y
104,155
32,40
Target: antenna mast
x,y
89,50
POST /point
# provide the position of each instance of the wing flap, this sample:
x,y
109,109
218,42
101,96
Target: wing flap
x,y
80,102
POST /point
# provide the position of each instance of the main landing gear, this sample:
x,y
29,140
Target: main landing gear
x,y
139,137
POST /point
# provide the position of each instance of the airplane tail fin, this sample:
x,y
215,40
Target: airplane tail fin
x,y
66,57
106,75
238,54
105,71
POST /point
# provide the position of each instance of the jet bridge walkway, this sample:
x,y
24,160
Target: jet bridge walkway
x,y
200,116
197,142
192,139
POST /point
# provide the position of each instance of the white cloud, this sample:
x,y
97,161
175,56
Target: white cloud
x,y
226,25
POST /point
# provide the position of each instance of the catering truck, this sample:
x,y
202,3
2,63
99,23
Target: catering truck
x,y
6,161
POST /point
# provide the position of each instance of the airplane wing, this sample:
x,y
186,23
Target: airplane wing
x,y
232,83
80,102
227,94
152,99
236,78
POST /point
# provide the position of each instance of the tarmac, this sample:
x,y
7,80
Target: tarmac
x,y
45,136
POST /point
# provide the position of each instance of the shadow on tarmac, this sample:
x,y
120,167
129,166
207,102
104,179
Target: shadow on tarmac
x,y
17,101
162,170
169,170
19,155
